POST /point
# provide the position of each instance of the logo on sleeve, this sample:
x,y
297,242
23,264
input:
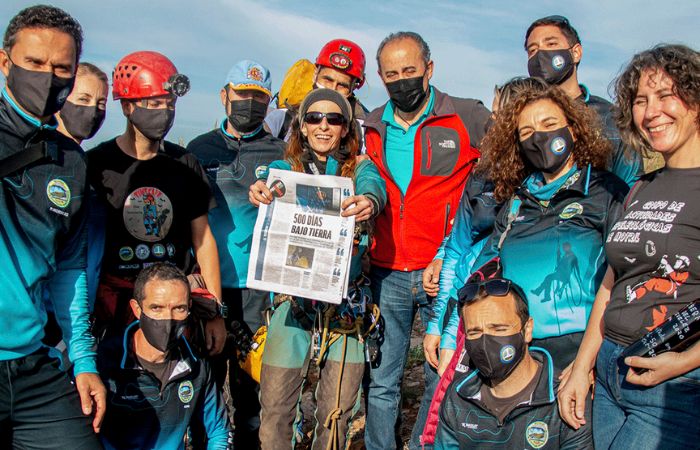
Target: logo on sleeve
x,y
260,171
186,392
537,434
58,192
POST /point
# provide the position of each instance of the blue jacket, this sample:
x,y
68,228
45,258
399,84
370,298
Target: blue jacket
x,y
467,423
460,248
145,415
232,165
42,241
555,252
368,182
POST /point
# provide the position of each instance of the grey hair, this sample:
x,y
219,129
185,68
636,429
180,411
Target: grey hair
x,y
415,37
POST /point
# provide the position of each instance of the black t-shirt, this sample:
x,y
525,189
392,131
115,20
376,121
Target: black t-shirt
x,y
160,370
654,250
150,204
502,406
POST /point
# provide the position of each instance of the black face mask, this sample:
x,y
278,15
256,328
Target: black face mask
x,y
407,94
553,66
496,356
246,115
163,334
548,151
41,94
82,122
152,123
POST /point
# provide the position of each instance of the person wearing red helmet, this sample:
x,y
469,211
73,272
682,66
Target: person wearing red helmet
x,y
340,65
139,165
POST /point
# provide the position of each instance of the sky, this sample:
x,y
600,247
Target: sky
x,y
474,44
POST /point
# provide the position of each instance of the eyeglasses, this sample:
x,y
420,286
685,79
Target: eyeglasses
x,y
557,18
315,118
497,287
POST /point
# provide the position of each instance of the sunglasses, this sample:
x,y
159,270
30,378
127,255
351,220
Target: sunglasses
x,y
333,119
497,287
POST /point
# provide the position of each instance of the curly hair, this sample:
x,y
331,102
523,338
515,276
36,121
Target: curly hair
x,y
297,141
44,16
680,63
502,162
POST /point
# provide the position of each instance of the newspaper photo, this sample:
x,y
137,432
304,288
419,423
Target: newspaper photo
x,y
301,244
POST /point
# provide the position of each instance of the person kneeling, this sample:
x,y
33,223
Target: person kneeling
x,y
506,397
155,384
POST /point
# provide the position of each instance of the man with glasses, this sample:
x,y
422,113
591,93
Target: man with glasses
x,y
503,393
554,53
425,144
234,155
155,193
156,386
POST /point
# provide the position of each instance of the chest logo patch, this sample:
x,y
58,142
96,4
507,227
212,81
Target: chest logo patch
x,y
142,251
260,171
58,192
537,434
126,253
148,214
158,250
571,210
185,391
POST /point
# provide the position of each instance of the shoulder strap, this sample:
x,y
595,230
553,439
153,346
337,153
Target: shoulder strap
x,y
288,117
30,155
513,210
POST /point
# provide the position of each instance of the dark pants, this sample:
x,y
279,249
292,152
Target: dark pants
x,y
247,307
40,407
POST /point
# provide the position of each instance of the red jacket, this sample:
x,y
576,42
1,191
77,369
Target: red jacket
x,y
410,229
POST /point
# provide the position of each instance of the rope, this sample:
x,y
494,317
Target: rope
x,y
334,415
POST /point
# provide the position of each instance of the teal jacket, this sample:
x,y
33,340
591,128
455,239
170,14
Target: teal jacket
x,y
369,183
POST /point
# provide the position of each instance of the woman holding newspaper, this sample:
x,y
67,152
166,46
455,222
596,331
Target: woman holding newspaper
x,y
323,142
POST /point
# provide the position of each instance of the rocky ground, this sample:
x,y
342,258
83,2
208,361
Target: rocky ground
x,y
412,393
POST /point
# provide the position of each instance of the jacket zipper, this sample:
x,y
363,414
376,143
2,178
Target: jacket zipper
x,y
430,150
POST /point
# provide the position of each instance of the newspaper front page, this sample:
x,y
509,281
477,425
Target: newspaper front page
x,y
301,244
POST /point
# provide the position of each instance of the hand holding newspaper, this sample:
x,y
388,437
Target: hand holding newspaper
x,y
301,244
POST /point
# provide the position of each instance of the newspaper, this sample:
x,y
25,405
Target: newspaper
x,y
301,244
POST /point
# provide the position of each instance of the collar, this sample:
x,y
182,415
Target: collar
x,y
585,92
184,354
575,180
388,115
19,123
469,387
252,134
334,161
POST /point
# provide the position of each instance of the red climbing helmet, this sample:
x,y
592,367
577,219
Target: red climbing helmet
x,y
147,74
345,56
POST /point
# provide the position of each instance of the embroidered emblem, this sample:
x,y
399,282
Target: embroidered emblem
x,y
186,391
254,73
58,192
571,210
537,434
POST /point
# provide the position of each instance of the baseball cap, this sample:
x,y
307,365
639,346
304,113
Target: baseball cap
x,y
248,74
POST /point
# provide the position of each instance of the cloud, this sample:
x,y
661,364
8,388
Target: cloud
x,y
474,44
